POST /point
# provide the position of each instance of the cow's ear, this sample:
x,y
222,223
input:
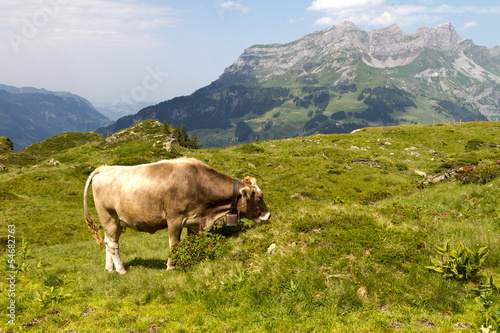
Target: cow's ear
x,y
246,192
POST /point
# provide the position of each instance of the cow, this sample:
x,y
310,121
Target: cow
x,y
169,194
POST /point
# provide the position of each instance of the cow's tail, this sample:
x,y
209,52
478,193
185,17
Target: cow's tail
x,y
90,222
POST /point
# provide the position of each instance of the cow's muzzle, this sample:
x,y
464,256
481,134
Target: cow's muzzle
x,y
265,217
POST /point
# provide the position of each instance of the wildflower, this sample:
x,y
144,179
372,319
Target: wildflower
x,y
444,214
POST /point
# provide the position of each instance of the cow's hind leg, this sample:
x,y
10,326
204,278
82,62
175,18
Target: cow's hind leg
x,y
109,259
112,232
113,251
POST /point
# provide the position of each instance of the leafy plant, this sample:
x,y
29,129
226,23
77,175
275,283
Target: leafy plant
x,y
487,297
338,200
461,263
54,293
486,288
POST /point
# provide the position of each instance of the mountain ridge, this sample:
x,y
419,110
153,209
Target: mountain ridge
x,y
31,115
377,78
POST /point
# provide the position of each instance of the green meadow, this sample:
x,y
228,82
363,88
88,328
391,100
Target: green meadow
x,y
349,247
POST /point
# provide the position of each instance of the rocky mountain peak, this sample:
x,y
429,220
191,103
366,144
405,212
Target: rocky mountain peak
x,y
345,26
443,37
380,48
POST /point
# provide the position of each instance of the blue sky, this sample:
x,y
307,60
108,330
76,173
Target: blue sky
x,y
116,52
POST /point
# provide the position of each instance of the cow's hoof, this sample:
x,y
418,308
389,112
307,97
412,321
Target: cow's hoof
x,y
170,268
121,272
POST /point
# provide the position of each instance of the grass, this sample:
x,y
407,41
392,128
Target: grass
x,y
337,265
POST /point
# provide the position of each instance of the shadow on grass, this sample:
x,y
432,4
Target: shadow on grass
x,y
223,230
230,232
147,263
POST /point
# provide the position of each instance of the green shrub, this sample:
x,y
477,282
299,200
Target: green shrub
x,y
474,144
196,248
478,174
250,148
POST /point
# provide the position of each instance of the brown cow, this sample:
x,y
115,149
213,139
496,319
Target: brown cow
x,y
167,194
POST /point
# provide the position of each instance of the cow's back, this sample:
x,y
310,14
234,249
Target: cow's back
x,y
142,196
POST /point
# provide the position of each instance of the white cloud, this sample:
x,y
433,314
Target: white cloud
x,y
329,5
325,20
470,24
373,14
231,5
221,7
56,22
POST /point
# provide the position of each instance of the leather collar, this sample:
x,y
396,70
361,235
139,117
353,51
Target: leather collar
x,y
234,202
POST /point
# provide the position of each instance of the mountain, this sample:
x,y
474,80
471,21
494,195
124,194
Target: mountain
x,y
336,80
29,115
115,111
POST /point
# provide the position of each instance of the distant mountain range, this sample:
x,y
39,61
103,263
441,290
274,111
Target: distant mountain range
x,y
29,115
116,110
338,79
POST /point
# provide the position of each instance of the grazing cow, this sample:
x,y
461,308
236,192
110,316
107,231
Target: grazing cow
x,y
167,194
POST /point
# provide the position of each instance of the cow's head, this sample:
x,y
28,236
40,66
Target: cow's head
x,y
251,205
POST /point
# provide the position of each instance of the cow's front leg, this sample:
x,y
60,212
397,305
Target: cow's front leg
x,y
174,235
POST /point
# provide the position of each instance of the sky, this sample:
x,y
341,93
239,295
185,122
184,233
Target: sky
x,y
131,51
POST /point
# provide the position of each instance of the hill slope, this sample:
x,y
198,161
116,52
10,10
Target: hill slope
x,y
30,115
346,249
336,80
